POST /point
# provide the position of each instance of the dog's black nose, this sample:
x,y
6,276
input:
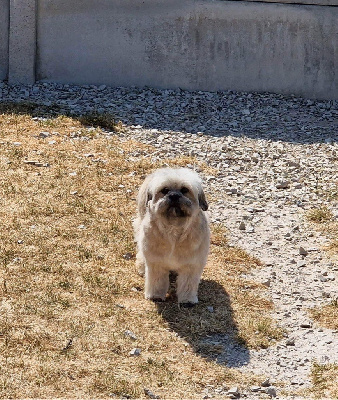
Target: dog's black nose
x,y
174,196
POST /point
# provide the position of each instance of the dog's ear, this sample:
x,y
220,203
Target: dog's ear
x,y
144,196
202,201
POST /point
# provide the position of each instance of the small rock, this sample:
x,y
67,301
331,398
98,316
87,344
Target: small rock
x,y
233,392
130,334
266,383
306,324
210,309
150,394
250,229
290,342
242,226
255,388
283,185
44,135
271,391
301,264
303,252
267,283
128,256
135,352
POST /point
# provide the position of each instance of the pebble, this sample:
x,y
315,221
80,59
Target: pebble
x,y
150,394
283,185
266,383
267,283
242,226
303,252
233,393
271,391
130,334
306,324
301,264
128,256
275,158
135,352
290,342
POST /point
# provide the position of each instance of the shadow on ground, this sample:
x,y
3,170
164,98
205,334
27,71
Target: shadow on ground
x,y
209,327
255,115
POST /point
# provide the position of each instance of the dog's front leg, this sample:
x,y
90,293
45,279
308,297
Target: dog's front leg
x,y
187,286
156,283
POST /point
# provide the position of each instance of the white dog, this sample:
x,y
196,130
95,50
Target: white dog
x,y
172,233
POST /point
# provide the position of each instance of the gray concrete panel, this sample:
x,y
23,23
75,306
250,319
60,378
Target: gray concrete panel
x,y
4,26
203,45
312,2
22,41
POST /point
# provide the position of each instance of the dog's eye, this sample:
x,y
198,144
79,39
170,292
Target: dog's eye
x,y
184,190
165,191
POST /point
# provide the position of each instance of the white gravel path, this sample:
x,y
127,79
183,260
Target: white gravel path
x,y
277,157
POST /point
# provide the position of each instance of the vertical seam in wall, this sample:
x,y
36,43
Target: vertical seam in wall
x,y
36,39
9,40
19,44
8,32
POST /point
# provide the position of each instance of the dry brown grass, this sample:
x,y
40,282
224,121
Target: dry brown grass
x,y
325,381
323,220
327,315
325,377
68,284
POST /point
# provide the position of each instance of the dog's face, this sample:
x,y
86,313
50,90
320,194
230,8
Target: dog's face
x,y
174,193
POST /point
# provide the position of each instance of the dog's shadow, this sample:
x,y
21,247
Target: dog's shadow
x,y
209,327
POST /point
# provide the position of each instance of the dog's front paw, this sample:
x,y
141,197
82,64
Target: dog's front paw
x,y
157,300
155,297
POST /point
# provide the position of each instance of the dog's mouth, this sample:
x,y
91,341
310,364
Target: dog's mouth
x,y
176,211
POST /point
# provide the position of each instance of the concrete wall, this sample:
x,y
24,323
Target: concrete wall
x,y
4,27
192,44
205,45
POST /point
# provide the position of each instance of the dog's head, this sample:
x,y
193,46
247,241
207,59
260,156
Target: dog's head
x,y
172,193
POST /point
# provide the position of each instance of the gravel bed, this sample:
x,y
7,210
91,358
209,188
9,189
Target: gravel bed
x,y
276,157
